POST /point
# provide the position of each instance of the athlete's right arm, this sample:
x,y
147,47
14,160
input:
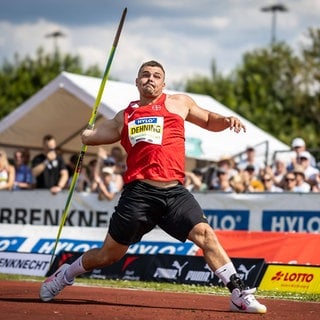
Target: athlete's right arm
x,y
108,132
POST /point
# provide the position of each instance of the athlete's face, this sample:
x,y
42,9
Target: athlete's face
x,y
150,81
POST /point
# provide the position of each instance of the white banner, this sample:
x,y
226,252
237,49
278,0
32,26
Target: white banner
x,y
30,264
291,212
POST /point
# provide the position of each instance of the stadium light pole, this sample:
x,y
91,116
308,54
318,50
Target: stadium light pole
x,y
55,35
274,9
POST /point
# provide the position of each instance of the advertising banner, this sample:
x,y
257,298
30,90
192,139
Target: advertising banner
x,y
273,247
30,264
41,239
275,212
167,268
304,279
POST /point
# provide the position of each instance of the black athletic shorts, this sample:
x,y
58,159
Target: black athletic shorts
x,y
142,206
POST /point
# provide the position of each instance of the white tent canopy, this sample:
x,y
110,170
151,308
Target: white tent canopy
x,y
63,108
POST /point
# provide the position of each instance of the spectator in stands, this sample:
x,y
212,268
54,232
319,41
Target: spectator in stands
x,y
265,170
237,183
301,184
49,168
268,183
106,188
298,145
223,181
23,177
289,182
117,178
83,181
226,164
251,180
119,156
310,172
103,161
279,169
194,181
250,159
7,172
315,187
90,169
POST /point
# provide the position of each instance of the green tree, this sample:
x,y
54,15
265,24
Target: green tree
x,y
309,84
22,78
274,88
218,86
266,91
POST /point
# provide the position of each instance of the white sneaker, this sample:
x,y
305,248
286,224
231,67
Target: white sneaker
x,y
54,284
244,301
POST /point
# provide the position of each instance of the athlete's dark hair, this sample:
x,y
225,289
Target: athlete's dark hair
x,y
151,63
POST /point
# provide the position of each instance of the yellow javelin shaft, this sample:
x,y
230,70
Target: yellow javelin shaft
x,y
91,124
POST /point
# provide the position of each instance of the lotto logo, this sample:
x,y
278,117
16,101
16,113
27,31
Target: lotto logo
x,y
293,277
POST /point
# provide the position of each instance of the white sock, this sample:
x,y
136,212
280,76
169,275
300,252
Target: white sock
x,y
74,270
225,272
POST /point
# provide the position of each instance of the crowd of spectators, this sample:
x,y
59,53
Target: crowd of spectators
x,y
295,171
103,174
48,170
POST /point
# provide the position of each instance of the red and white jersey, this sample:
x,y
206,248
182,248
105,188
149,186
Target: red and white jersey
x,y
154,140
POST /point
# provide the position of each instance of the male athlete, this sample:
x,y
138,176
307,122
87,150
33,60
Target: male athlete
x,y
151,130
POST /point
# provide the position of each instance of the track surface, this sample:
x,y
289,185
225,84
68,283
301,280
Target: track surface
x,y
19,301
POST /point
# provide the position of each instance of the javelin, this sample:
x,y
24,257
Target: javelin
x,y
91,124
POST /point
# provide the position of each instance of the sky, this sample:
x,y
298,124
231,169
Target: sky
x,y
184,35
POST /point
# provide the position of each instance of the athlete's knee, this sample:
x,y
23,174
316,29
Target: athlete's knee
x,y
203,236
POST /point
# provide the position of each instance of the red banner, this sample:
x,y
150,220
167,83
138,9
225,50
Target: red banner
x,y
274,247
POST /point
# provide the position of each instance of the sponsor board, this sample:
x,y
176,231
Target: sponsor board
x,y
161,247
143,247
278,247
225,211
52,217
192,270
29,264
11,243
304,279
41,239
298,221
167,268
228,219
46,245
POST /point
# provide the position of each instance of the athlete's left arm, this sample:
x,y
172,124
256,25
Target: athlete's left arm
x,y
210,120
